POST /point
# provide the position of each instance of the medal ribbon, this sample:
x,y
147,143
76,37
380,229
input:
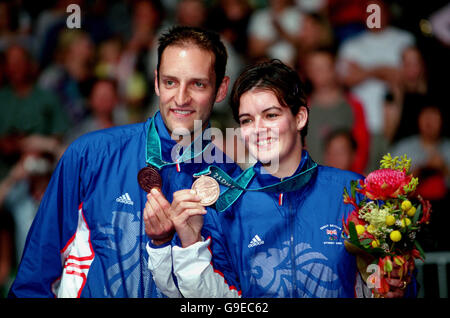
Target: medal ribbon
x,y
238,186
153,155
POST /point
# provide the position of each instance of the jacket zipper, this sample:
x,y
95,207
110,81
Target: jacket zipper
x,y
294,293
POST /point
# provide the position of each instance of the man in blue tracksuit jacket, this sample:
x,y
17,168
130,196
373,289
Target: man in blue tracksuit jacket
x,y
88,238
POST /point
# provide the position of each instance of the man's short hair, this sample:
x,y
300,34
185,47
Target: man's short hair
x,y
204,39
277,77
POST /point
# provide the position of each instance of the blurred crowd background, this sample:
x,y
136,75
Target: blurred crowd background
x,y
371,90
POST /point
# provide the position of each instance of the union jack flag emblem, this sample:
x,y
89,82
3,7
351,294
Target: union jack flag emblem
x,y
331,232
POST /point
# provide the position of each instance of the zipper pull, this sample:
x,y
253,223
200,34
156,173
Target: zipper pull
x,y
280,199
178,157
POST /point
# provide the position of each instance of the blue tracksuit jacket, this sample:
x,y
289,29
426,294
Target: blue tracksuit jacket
x,y
88,237
290,250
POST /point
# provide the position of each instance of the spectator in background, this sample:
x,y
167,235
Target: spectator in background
x,y
2,70
191,13
314,34
410,92
135,79
70,75
32,118
53,21
312,6
413,72
340,150
272,31
370,62
45,21
7,255
103,104
22,190
392,115
15,26
402,105
108,57
331,108
347,17
430,154
230,18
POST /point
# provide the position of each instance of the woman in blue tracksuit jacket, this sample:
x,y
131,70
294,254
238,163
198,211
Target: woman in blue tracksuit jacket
x,y
282,235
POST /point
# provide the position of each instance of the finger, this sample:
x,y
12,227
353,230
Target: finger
x,y
154,214
185,195
159,226
161,200
147,207
152,219
185,205
152,224
187,213
147,211
158,213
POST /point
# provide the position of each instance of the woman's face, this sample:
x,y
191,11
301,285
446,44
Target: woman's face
x,y
270,130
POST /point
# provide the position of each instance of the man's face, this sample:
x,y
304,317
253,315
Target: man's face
x,y
186,87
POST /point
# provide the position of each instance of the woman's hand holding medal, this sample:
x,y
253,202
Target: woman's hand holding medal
x,y
185,215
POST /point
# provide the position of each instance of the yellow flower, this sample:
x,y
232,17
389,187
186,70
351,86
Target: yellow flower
x,y
411,211
375,243
360,229
371,229
390,220
406,205
395,236
405,222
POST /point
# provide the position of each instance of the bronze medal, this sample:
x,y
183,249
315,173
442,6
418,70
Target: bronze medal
x,y
207,189
149,178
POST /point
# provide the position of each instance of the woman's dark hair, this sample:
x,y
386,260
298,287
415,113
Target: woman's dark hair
x,y
204,39
277,77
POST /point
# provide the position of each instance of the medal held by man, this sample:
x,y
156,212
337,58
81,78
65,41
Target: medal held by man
x,y
149,178
207,189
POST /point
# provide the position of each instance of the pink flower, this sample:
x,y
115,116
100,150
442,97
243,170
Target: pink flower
x,y
383,184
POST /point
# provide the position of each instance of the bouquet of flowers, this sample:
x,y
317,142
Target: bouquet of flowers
x,y
382,228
